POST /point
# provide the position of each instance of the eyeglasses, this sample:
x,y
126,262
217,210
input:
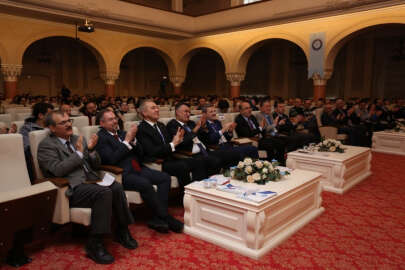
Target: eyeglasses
x,y
63,123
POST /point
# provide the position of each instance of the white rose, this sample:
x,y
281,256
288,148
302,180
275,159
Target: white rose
x,y
271,167
265,170
325,142
266,163
332,149
248,161
250,179
259,164
241,164
248,169
256,176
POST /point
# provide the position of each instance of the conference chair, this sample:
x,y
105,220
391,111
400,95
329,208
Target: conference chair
x,y
22,205
130,116
6,118
22,116
80,121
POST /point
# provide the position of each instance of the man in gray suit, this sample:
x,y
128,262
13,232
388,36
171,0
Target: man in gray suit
x,y
63,154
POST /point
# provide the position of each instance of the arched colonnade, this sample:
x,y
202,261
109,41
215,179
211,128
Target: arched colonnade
x,y
178,57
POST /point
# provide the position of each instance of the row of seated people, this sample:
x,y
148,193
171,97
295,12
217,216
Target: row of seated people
x,y
63,154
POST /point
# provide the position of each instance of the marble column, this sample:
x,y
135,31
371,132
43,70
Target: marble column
x,y
235,79
109,77
320,84
10,75
177,81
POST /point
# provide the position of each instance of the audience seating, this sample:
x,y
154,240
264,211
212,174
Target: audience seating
x,y
128,124
130,116
63,214
19,124
22,205
80,121
6,118
22,116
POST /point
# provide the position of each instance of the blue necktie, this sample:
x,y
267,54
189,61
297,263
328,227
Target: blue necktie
x,y
160,133
187,128
269,120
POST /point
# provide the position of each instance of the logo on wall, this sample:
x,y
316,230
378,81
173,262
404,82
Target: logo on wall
x,y
316,55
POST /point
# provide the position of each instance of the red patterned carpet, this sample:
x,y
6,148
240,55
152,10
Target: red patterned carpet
x,y
362,229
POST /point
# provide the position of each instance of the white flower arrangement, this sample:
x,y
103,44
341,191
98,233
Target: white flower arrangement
x,y
399,125
330,145
256,171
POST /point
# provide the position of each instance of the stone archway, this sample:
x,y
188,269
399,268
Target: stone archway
x,y
338,41
51,62
241,59
369,62
274,66
145,71
205,73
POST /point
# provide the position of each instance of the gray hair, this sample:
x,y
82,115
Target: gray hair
x,y
142,106
49,118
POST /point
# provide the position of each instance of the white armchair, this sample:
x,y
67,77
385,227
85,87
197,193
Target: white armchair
x,y
22,205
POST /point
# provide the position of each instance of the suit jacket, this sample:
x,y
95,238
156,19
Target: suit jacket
x,y
211,136
268,127
55,160
154,147
288,128
187,143
243,129
114,152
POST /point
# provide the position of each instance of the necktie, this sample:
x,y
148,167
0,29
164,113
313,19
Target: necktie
x,y
269,120
251,125
134,162
186,128
69,148
160,133
202,149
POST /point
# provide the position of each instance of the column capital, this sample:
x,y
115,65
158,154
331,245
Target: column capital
x,y
177,80
109,76
321,80
11,72
235,78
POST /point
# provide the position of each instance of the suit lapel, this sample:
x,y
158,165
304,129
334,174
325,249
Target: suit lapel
x,y
60,145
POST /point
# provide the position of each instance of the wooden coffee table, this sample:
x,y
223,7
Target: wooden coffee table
x,y
389,142
340,171
247,227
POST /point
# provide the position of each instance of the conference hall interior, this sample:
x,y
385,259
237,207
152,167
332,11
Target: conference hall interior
x,y
212,134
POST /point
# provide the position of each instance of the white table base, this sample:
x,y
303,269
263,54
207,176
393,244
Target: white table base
x,y
340,171
389,142
248,228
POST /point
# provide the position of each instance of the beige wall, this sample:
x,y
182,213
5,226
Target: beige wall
x,y
235,48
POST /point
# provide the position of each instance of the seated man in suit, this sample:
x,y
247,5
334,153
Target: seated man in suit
x,y
212,160
216,135
63,154
248,126
120,148
157,144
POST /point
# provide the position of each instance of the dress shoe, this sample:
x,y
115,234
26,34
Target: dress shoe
x,y
174,224
96,251
125,239
158,225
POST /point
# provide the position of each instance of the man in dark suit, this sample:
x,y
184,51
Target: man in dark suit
x,y
63,154
248,126
158,145
213,160
121,149
220,136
